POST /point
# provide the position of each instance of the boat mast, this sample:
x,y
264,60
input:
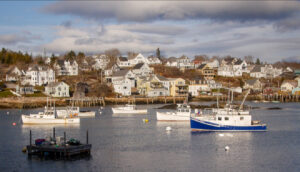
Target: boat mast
x,y
218,98
241,106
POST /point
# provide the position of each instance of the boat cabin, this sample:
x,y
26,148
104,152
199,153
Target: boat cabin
x,y
183,108
241,120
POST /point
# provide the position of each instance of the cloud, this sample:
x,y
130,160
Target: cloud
x,y
142,11
157,29
293,59
24,37
67,23
288,24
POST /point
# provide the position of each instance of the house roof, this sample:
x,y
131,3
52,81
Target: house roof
x,y
123,59
201,66
257,68
55,84
60,62
122,72
138,66
251,81
238,62
162,78
172,59
10,71
229,60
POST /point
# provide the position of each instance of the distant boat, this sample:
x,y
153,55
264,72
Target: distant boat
x,y
128,109
183,113
74,111
48,117
226,119
274,101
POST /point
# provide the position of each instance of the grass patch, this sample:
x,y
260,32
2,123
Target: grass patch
x,y
36,94
6,93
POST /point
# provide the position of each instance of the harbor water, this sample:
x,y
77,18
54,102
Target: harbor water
x,y
128,143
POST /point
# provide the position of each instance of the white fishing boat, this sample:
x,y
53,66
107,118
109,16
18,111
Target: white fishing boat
x,y
128,109
48,117
226,119
183,113
74,111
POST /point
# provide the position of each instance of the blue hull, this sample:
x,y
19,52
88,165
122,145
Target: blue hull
x,y
209,126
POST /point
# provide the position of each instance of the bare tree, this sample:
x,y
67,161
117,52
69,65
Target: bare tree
x,y
112,54
249,59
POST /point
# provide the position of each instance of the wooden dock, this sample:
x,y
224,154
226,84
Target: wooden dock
x,y
61,151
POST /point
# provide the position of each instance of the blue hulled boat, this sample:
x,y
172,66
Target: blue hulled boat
x,y
228,118
208,125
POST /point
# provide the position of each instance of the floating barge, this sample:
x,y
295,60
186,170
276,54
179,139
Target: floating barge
x,y
61,151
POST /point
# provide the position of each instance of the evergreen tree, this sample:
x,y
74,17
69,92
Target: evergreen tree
x,y
257,61
158,53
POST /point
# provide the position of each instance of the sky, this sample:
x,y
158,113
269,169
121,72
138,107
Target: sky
x,y
269,30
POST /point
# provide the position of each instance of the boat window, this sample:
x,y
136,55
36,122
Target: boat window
x,y
241,118
220,118
226,118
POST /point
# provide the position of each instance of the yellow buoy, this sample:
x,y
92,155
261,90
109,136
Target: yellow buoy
x,y
24,149
145,120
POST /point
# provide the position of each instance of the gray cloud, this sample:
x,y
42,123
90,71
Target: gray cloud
x,y
157,29
178,10
288,24
25,37
67,24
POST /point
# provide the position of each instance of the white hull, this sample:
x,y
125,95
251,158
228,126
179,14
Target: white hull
x,y
87,114
64,113
123,111
30,120
167,116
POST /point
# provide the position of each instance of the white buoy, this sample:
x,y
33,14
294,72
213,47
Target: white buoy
x,y
221,135
7,113
227,148
168,128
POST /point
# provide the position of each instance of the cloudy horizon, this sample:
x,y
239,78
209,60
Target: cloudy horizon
x,y
265,29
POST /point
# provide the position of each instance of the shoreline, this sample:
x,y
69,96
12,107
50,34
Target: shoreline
x,y
38,102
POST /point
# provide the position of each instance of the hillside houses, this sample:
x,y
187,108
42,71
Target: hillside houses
x,y
207,71
123,62
66,67
14,74
100,61
137,59
232,67
182,63
265,71
142,69
122,81
197,86
178,87
150,86
154,60
57,89
288,85
38,75
253,84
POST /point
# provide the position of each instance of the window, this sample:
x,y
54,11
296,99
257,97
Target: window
x,y
226,118
220,118
241,118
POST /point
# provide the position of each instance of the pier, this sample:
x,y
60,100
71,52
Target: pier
x,y
56,150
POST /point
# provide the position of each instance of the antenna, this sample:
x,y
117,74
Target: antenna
x,y
44,53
